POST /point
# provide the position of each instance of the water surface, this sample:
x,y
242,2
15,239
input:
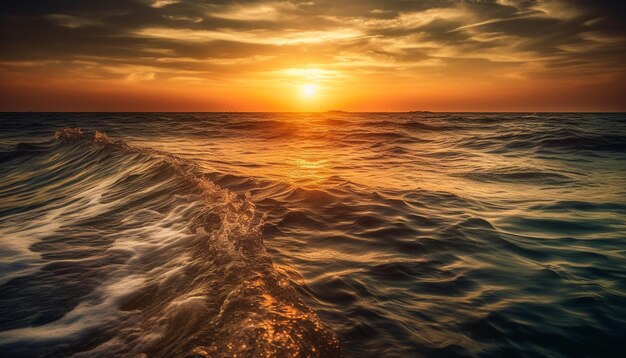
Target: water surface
x,y
386,234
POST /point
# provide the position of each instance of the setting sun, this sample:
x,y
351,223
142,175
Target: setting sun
x,y
309,90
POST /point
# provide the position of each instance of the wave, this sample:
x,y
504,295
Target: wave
x,y
125,250
407,240
517,175
562,140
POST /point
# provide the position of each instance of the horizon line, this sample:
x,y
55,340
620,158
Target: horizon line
x,y
328,111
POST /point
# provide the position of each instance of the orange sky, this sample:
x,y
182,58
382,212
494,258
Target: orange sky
x,y
145,55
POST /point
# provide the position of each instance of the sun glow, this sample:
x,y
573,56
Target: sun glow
x,y
309,90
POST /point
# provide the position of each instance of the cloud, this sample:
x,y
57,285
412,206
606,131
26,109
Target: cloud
x,y
311,74
161,3
70,21
264,37
403,20
558,9
265,11
154,39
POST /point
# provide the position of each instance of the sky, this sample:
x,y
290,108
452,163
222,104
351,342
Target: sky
x,y
373,55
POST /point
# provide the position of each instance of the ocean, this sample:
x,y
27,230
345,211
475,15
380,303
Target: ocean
x,y
312,234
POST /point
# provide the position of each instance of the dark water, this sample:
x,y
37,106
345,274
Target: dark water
x,y
313,234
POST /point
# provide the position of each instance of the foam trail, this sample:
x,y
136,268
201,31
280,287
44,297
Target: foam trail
x,y
146,255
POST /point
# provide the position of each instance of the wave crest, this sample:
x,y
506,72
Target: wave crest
x,y
148,256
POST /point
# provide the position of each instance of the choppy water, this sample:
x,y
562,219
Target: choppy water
x,y
406,234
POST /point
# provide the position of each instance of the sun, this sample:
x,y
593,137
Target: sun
x,y
309,90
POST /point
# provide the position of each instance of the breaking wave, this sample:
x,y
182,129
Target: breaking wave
x,y
124,250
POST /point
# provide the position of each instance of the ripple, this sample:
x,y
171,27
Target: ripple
x,y
398,234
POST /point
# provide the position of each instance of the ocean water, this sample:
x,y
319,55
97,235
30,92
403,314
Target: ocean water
x,y
321,234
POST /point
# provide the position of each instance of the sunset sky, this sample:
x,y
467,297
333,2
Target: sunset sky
x,y
376,55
